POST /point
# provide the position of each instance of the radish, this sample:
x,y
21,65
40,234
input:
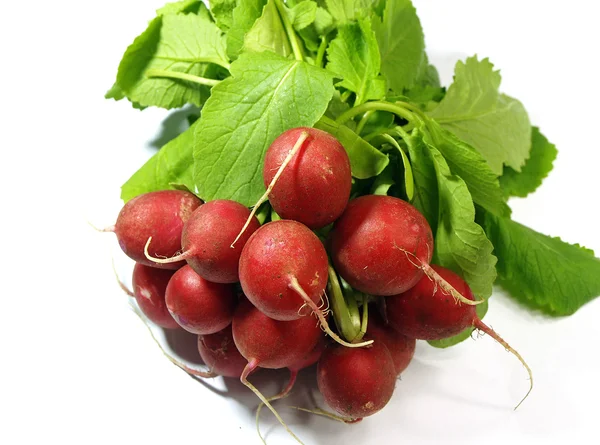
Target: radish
x,y
272,344
401,347
356,382
369,241
284,267
315,186
207,240
198,305
160,215
220,355
429,312
149,285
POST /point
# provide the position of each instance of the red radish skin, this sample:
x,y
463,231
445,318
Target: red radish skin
x,y
314,188
401,347
356,382
199,306
273,344
149,286
160,215
428,312
207,240
220,355
276,253
371,241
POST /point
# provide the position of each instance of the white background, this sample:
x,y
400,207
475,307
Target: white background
x,y
77,366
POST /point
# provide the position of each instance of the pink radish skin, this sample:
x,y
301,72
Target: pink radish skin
x,y
275,254
149,285
199,306
381,244
401,347
160,215
208,235
220,355
271,343
356,382
315,186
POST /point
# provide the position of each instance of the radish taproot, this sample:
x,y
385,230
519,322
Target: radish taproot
x,y
160,215
356,382
207,239
268,343
429,312
149,286
198,305
314,188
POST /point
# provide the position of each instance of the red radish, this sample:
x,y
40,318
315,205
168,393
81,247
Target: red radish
x,y
315,186
284,267
429,312
356,382
276,253
207,240
272,344
401,347
370,240
198,305
149,285
160,215
220,355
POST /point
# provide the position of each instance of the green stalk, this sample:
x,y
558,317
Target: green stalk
x,y
363,121
346,316
398,109
182,76
289,29
321,52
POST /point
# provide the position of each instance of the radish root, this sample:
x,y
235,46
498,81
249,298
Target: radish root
x,y
284,393
191,371
251,366
181,257
322,412
295,286
303,136
481,326
437,279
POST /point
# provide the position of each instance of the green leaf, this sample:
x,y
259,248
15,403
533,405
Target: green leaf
x,y
384,181
268,33
540,271
183,43
344,11
495,124
117,94
460,243
184,7
222,11
540,163
302,15
447,342
426,196
232,135
354,57
401,44
470,165
245,15
365,160
171,167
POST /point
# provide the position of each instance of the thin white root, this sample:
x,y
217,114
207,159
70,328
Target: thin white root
x,y
295,286
244,379
181,257
322,412
98,229
283,394
303,136
121,284
191,371
437,279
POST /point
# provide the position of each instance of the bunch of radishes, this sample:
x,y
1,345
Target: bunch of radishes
x,y
190,256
